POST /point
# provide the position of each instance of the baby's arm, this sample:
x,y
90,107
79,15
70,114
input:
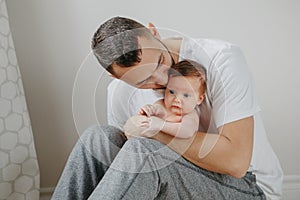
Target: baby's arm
x,y
184,129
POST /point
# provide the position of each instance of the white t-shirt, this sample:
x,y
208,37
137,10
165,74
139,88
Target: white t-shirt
x,y
230,96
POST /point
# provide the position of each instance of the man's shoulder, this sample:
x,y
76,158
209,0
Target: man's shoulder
x,y
219,50
209,43
205,50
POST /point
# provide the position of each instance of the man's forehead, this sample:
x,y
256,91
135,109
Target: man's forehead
x,y
150,43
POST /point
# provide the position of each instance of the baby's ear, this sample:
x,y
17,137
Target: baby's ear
x,y
153,30
201,98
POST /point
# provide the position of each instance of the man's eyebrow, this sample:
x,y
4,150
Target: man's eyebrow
x,y
158,63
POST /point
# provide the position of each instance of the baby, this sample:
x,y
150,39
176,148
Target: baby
x,y
175,114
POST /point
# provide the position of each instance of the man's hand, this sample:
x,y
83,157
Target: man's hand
x,y
136,125
154,125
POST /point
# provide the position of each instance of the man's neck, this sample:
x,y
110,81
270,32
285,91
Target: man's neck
x,y
173,44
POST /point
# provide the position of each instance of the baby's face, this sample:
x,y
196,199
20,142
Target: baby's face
x,y
182,94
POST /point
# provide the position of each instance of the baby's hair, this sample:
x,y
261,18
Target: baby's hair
x,y
190,68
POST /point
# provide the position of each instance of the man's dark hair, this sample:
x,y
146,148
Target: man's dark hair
x,y
116,42
190,68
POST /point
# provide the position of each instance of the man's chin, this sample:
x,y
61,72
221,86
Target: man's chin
x,y
156,87
159,90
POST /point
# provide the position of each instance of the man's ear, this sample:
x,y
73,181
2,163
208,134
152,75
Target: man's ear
x,y
153,30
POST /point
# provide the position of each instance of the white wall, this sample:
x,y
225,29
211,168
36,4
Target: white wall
x,y
52,38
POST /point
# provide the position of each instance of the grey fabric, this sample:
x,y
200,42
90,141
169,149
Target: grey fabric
x,y
142,168
83,171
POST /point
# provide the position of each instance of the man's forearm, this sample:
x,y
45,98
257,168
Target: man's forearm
x,y
178,130
184,129
210,151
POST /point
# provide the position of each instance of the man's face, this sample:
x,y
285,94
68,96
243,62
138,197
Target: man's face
x,y
152,71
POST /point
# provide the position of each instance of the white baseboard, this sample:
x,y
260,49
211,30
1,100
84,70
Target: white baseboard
x,y
291,189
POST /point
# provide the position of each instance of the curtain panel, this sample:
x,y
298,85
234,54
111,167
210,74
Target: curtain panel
x,y
19,171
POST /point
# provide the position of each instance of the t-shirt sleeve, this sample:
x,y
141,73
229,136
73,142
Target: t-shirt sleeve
x,y
232,88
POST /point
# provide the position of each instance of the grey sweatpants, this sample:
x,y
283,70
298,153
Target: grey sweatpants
x,y
104,165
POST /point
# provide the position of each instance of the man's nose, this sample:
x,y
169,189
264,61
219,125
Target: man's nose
x,y
160,78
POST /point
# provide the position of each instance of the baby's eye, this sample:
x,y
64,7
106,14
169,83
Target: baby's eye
x,y
186,95
171,91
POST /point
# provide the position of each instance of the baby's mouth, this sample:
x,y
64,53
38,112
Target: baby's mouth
x,y
176,106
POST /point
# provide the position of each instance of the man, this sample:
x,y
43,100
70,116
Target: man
x,y
228,158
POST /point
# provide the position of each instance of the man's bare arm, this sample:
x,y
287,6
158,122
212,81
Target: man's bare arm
x,y
228,152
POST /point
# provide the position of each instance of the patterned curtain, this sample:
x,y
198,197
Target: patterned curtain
x,y
19,171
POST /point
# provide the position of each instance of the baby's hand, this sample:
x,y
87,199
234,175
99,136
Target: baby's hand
x,y
148,110
159,111
153,110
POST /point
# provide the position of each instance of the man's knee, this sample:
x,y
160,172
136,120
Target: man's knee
x,y
142,145
101,133
148,153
